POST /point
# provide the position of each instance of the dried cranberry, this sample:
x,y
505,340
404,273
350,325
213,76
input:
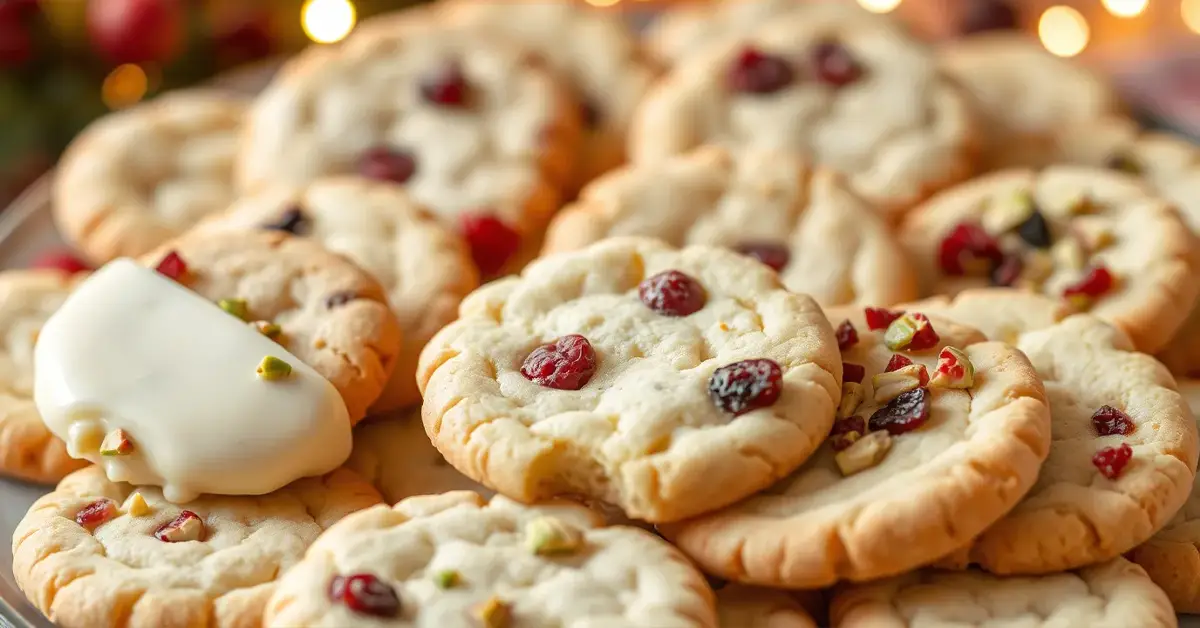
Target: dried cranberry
x,y
847,336
969,249
672,293
172,266
188,526
62,261
853,372
925,337
834,65
338,299
589,113
1109,420
492,242
96,513
446,86
384,163
292,221
904,413
756,72
744,386
988,15
774,255
365,594
878,318
846,431
1007,273
1035,231
565,364
1111,461
896,363
1094,283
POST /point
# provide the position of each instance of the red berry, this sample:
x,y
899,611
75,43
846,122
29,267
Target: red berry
x,y
878,318
16,45
846,431
172,266
565,364
96,513
896,363
61,260
1111,461
384,163
136,31
834,65
776,256
744,386
1109,420
905,413
1094,283
491,241
672,293
969,250
1007,273
340,298
365,594
847,336
589,113
853,372
446,86
188,526
925,337
756,72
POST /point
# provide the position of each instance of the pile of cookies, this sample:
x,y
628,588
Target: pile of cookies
x,y
500,315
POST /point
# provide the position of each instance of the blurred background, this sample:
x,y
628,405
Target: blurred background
x,y
65,62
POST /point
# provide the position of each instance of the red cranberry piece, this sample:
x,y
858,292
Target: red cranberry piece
x,y
1109,420
847,335
776,256
491,241
589,113
446,86
879,318
846,431
925,337
988,15
896,363
905,413
188,526
1093,284
672,293
384,163
756,72
1007,273
292,221
834,65
96,513
172,266
1111,461
853,372
338,299
62,261
744,386
565,364
365,594
969,249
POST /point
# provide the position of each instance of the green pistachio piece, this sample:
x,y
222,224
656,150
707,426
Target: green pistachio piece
x,y
272,368
268,329
446,579
236,307
549,535
116,443
900,333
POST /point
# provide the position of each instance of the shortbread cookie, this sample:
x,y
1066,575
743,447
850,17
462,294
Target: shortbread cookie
x,y
1028,99
324,309
1124,450
682,32
666,382
27,449
850,90
1116,594
803,222
137,178
425,268
1099,240
740,606
97,553
456,560
939,434
396,456
476,130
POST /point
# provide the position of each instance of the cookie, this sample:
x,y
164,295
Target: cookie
x,y
1028,98
682,32
328,312
740,606
475,129
27,448
139,177
1124,450
666,382
424,267
1100,240
850,90
98,553
939,434
1111,595
802,221
456,559
396,456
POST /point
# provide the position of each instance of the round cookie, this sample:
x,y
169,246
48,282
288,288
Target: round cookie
x,y
598,373
1116,594
904,478
128,567
478,132
330,313
457,560
740,606
424,267
1103,396
27,448
850,90
1098,239
139,177
823,240
1028,99
682,32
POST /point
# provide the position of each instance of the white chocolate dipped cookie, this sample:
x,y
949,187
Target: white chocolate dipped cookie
x,y
801,221
456,560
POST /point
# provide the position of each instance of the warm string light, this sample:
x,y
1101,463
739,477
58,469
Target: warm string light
x,y
124,86
1190,9
327,21
879,6
1125,8
1063,31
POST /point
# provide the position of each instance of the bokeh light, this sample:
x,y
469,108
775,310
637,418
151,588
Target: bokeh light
x,y
1063,31
1191,14
1125,8
327,21
124,86
602,3
879,6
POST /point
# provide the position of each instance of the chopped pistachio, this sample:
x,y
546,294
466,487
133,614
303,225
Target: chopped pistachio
x,y
865,453
137,506
116,443
1037,269
550,535
954,370
1069,253
272,368
1081,205
1006,212
890,385
852,396
268,329
236,307
446,579
495,613
1095,235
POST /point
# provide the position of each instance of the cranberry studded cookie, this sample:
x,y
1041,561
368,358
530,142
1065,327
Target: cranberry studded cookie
x,y
682,32
750,607
1100,241
425,268
456,560
318,305
1124,451
1112,595
97,553
938,434
28,450
801,221
475,129
850,90
137,178
665,382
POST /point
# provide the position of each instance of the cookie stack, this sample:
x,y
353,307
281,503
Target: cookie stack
x,y
500,315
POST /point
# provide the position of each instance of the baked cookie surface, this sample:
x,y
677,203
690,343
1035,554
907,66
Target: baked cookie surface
x,y
685,31
750,607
